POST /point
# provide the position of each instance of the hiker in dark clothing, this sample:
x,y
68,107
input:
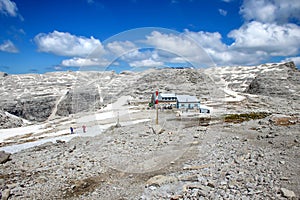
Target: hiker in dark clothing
x,y
84,128
71,129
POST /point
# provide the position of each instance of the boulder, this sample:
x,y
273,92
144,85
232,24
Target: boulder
x,y
3,74
9,121
287,193
282,120
160,180
4,157
5,194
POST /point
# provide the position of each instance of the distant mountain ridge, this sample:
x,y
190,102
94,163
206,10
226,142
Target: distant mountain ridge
x,y
39,97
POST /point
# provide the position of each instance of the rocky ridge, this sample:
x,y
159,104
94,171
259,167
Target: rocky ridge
x,y
36,97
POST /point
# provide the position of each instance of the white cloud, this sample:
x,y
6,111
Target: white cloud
x,y
120,47
146,63
200,48
221,53
8,7
276,40
144,58
222,12
227,1
270,10
179,45
8,46
253,43
66,44
136,55
58,68
83,62
296,60
207,40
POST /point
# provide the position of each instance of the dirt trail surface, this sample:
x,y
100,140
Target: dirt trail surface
x,y
257,159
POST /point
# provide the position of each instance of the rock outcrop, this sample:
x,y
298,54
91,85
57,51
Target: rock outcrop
x,y
8,121
3,74
283,82
4,157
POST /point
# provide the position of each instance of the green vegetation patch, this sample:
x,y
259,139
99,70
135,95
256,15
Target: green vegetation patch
x,y
239,118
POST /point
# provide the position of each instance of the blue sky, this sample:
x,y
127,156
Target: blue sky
x,y
41,36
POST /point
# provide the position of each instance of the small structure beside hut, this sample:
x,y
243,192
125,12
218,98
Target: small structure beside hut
x,y
204,109
187,102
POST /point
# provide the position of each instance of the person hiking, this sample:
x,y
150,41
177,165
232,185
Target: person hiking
x,y
72,130
84,128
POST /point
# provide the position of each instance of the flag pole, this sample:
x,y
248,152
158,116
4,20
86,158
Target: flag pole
x,y
156,103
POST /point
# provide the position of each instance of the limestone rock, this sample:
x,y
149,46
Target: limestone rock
x,y
192,178
160,180
3,74
5,194
60,142
279,83
287,193
282,120
4,157
9,121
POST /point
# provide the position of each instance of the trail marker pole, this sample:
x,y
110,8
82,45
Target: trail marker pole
x,y
156,103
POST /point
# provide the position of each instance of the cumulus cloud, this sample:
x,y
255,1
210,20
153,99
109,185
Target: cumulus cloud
x,y
221,53
222,12
120,47
8,7
146,63
276,40
8,46
172,43
254,42
269,11
83,62
66,44
180,45
196,47
207,40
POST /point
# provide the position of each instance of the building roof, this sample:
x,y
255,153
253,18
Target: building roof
x,y
187,99
167,95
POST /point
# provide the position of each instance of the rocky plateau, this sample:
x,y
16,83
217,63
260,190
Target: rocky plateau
x,y
248,147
